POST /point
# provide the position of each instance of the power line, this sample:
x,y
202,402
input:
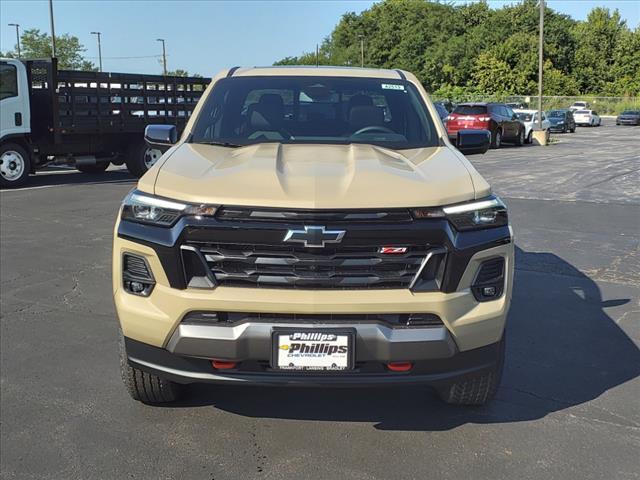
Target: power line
x,y
127,58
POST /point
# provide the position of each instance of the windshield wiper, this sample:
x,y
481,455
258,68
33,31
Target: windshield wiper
x,y
221,144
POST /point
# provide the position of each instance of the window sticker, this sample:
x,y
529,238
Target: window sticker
x,y
392,86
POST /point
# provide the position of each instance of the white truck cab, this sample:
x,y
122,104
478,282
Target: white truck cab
x,y
15,121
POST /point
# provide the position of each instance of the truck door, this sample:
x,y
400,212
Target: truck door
x,y
14,99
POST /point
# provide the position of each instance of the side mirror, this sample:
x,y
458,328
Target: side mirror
x,y
473,141
161,137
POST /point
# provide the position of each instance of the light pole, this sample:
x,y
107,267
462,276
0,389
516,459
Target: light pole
x,y
17,36
164,56
540,56
99,49
53,31
361,37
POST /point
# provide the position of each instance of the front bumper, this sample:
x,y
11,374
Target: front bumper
x,y
185,369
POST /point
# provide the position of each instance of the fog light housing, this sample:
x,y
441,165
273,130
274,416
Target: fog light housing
x,y
137,278
489,282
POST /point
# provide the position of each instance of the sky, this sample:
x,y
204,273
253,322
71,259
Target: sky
x,y
206,36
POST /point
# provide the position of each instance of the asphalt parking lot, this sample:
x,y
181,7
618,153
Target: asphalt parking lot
x,y
568,406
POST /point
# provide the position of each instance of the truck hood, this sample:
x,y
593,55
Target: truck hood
x,y
315,176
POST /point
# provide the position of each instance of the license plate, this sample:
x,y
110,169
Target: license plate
x,y
315,350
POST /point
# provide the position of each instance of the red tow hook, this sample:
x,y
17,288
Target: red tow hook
x,y
223,364
400,366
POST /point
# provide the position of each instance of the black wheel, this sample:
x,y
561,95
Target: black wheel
x,y
97,168
140,158
564,129
573,130
15,165
520,138
146,387
530,137
478,389
496,139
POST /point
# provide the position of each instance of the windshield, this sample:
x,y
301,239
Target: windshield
x,y
525,117
580,104
470,109
332,110
630,112
557,114
583,112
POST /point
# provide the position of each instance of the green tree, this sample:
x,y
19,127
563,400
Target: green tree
x,y
596,40
69,50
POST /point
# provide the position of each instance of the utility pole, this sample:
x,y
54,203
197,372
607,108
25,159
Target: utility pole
x,y
540,59
164,56
17,36
317,56
99,49
361,50
53,30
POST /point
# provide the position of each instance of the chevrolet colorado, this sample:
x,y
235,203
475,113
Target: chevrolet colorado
x,y
313,226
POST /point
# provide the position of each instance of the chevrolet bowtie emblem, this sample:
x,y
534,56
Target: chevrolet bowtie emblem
x,y
314,236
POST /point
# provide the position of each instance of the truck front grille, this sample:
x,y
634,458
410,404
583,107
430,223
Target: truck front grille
x,y
334,267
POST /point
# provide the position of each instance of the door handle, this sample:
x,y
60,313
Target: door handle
x,y
18,119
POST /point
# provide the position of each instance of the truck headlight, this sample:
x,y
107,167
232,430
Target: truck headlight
x,y
486,213
145,208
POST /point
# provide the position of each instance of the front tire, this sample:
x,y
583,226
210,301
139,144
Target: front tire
x,y
140,158
146,387
15,165
530,137
476,389
496,140
520,138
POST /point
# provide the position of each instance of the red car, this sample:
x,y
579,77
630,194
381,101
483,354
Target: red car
x,y
498,118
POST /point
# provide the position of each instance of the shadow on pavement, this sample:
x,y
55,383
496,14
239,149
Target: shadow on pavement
x,y
563,350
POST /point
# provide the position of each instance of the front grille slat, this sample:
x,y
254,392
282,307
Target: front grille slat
x,y
294,266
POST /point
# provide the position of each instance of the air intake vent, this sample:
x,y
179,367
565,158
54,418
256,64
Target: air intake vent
x,y
136,267
490,270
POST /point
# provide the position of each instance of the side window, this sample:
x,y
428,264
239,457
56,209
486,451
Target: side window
x,y
508,112
8,81
594,112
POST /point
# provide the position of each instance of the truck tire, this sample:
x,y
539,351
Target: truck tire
x,y
140,158
97,168
478,389
146,387
15,165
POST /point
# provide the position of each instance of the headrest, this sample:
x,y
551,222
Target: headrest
x,y
268,113
365,116
360,100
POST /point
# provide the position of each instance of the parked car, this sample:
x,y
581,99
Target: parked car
x,y
498,118
587,118
579,106
561,121
329,235
629,117
517,105
530,120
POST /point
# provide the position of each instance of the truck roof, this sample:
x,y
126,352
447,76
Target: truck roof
x,y
322,71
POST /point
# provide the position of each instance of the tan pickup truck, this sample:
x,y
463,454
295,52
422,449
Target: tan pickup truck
x,y
313,226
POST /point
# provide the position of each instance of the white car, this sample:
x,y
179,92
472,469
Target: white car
x,y
530,120
587,118
579,106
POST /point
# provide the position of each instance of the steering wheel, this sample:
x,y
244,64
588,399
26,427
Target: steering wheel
x,y
373,128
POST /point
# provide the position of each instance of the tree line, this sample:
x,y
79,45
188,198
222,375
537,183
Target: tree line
x,y
474,49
